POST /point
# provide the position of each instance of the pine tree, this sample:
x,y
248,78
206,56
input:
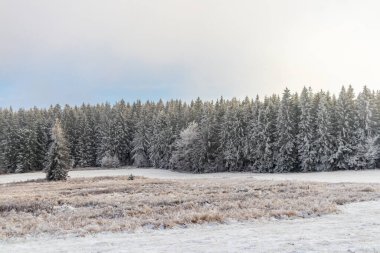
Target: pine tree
x,y
287,159
160,150
375,115
58,159
87,150
347,129
30,155
324,140
215,141
364,131
232,137
141,139
11,144
306,132
122,132
246,115
208,140
188,150
266,149
70,125
254,135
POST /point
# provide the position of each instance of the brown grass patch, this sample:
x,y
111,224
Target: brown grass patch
x,y
92,205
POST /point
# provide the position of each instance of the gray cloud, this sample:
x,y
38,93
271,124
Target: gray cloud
x,y
82,50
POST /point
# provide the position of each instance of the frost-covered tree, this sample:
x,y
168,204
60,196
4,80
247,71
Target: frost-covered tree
x,y
253,134
123,132
31,152
364,131
160,149
325,141
375,115
109,161
215,149
307,131
364,112
196,110
187,155
87,142
232,137
11,149
266,149
70,124
347,128
312,132
208,141
58,158
287,157
141,139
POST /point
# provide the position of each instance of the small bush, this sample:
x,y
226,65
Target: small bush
x,y
109,161
131,177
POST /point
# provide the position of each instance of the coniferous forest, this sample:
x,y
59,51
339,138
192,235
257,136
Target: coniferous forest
x,y
310,131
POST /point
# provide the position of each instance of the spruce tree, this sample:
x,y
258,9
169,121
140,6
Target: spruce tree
x,y
188,150
325,140
122,132
141,140
347,127
364,131
160,150
58,159
232,137
287,159
306,132
252,136
268,142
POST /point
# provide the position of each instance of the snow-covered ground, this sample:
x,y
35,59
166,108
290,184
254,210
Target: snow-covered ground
x,y
356,229
364,176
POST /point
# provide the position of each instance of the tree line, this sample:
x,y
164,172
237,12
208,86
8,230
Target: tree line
x,y
310,131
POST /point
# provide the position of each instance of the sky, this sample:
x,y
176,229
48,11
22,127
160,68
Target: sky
x,y
75,51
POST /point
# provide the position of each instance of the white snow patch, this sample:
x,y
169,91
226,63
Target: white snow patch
x,y
361,176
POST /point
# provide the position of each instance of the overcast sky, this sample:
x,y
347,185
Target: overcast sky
x,y
74,51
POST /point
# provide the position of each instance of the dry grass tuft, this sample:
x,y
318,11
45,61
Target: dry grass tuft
x,y
93,205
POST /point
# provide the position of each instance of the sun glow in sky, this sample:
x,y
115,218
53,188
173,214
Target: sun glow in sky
x,y
74,51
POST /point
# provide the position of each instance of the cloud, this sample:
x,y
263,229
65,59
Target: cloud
x,y
91,51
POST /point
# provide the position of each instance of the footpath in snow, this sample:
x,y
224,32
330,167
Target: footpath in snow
x,y
364,176
355,229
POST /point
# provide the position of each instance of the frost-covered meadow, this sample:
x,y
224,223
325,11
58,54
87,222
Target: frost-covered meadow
x,y
348,231
170,211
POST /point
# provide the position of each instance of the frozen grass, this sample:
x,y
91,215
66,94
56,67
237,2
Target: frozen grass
x,y
85,206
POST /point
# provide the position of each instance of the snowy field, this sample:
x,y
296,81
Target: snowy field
x,y
355,229
361,176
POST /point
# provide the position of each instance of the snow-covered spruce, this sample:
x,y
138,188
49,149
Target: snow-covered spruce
x,y
313,131
58,159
